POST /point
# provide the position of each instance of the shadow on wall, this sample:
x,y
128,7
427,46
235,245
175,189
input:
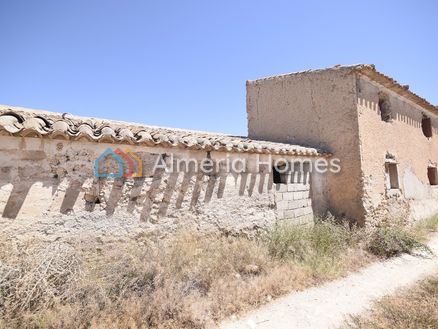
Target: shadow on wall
x,y
18,195
151,194
19,190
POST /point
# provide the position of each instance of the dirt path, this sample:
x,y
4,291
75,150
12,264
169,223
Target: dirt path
x,y
326,306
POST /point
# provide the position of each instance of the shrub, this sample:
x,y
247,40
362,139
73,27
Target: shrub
x,y
320,246
41,278
392,241
288,241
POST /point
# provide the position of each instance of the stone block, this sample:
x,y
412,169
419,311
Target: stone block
x,y
282,205
299,212
298,195
288,196
292,187
297,204
289,214
281,187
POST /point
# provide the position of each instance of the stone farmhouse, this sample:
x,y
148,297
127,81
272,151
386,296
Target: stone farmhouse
x,y
384,137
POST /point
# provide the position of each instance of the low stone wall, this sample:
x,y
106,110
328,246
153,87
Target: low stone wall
x,y
52,178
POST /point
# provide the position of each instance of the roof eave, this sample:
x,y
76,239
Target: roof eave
x,y
393,85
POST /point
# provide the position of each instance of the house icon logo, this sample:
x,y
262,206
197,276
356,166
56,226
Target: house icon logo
x,y
117,164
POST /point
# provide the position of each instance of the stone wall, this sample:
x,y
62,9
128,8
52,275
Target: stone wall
x,y
53,178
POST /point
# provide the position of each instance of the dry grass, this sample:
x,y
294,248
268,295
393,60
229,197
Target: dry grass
x,y
191,282
423,228
415,308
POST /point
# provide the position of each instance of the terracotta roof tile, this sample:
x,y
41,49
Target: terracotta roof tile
x,y
34,123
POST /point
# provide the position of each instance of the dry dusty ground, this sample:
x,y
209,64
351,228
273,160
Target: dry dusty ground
x,y
327,306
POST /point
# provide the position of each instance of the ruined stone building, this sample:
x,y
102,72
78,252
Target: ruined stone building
x,y
384,136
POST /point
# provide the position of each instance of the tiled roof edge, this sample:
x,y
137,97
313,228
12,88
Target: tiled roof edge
x,y
43,124
392,84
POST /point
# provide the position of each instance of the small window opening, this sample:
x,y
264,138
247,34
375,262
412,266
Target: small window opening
x,y
279,176
392,175
385,108
432,174
426,125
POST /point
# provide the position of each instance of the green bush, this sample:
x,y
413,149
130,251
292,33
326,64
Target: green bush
x,y
392,241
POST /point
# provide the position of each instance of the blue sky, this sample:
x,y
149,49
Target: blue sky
x,y
184,63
